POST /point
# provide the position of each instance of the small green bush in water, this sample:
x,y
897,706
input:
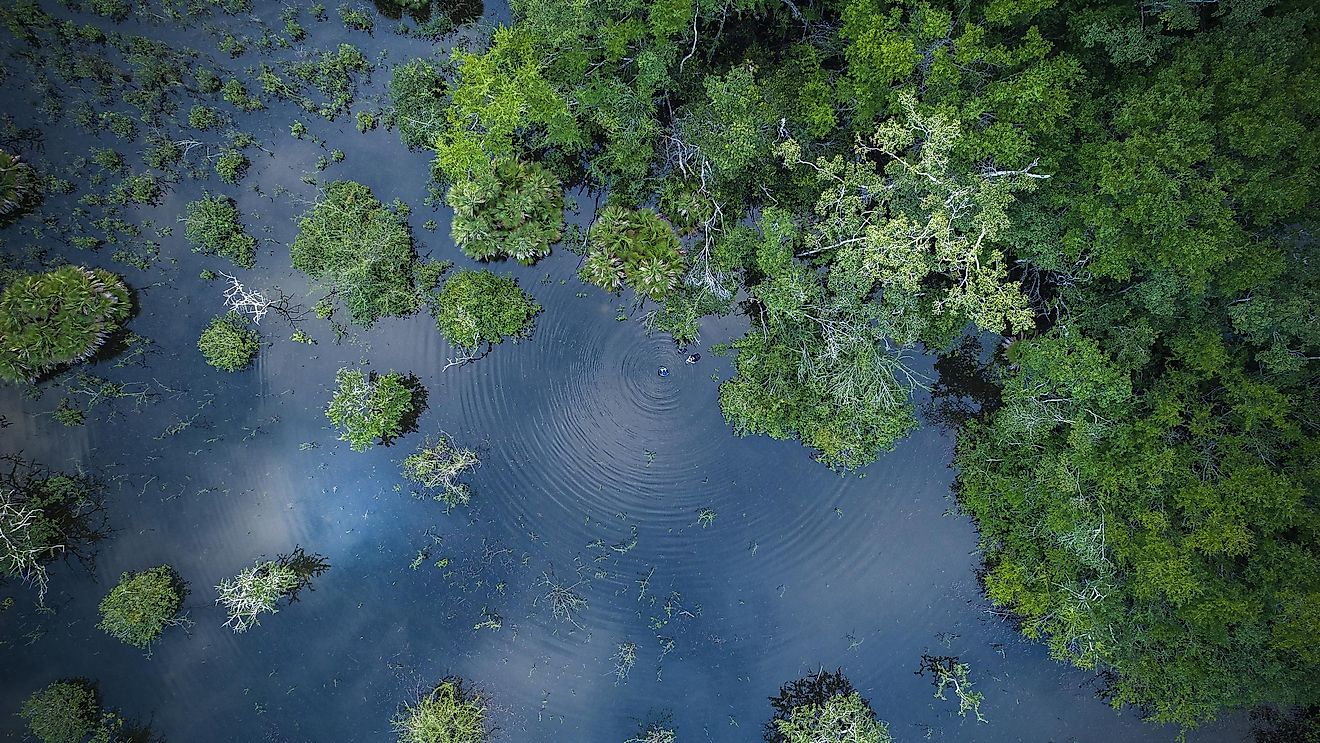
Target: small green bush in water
x,y
449,714
213,226
228,343
63,712
823,707
514,211
259,589
636,247
476,308
370,407
350,241
232,166
140,607
436,467
843,718
56,318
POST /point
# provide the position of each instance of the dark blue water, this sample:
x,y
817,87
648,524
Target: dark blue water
x,y
594,471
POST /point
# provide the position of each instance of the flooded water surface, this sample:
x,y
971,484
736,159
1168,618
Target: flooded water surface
x,y
724,567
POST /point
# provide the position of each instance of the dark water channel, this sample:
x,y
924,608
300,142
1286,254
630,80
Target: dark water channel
x,y
594,469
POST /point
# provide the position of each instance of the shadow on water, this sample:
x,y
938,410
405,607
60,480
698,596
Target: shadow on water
x,y
732,565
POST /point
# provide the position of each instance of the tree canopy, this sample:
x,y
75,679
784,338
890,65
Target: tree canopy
x,y
1125,194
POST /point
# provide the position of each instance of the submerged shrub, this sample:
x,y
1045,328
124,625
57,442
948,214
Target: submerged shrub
x,y
477,308
63,712
513,211
56,318
823,707
259,589
636,247
371,407
451,713
43,516
232,166
654,734
140,607
213,225
228,343
842,718
363,251
436,467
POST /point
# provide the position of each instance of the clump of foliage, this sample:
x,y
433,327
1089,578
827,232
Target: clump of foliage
x,y
845,719
372,408
950,673
235,93
823,707
205,118
436,468
818,368
357,19
213,225
636,247
228,343
68,414
654,733
417,91
514,211
60,317
331,74
65,711
232,165
363,251
259,589
139,608
115,10
451,713
19,186
43,516
479,308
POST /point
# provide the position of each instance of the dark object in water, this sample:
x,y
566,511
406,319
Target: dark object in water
x,y
693,358
663,371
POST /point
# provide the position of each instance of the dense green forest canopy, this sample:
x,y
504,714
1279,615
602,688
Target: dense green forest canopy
x,y
1123,192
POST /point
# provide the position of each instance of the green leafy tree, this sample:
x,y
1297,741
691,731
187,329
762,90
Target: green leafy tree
x,y
922,235
228,343
371,408
477,309
361,250
514,211
56,318
213,225
501,98
139,608
816,366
